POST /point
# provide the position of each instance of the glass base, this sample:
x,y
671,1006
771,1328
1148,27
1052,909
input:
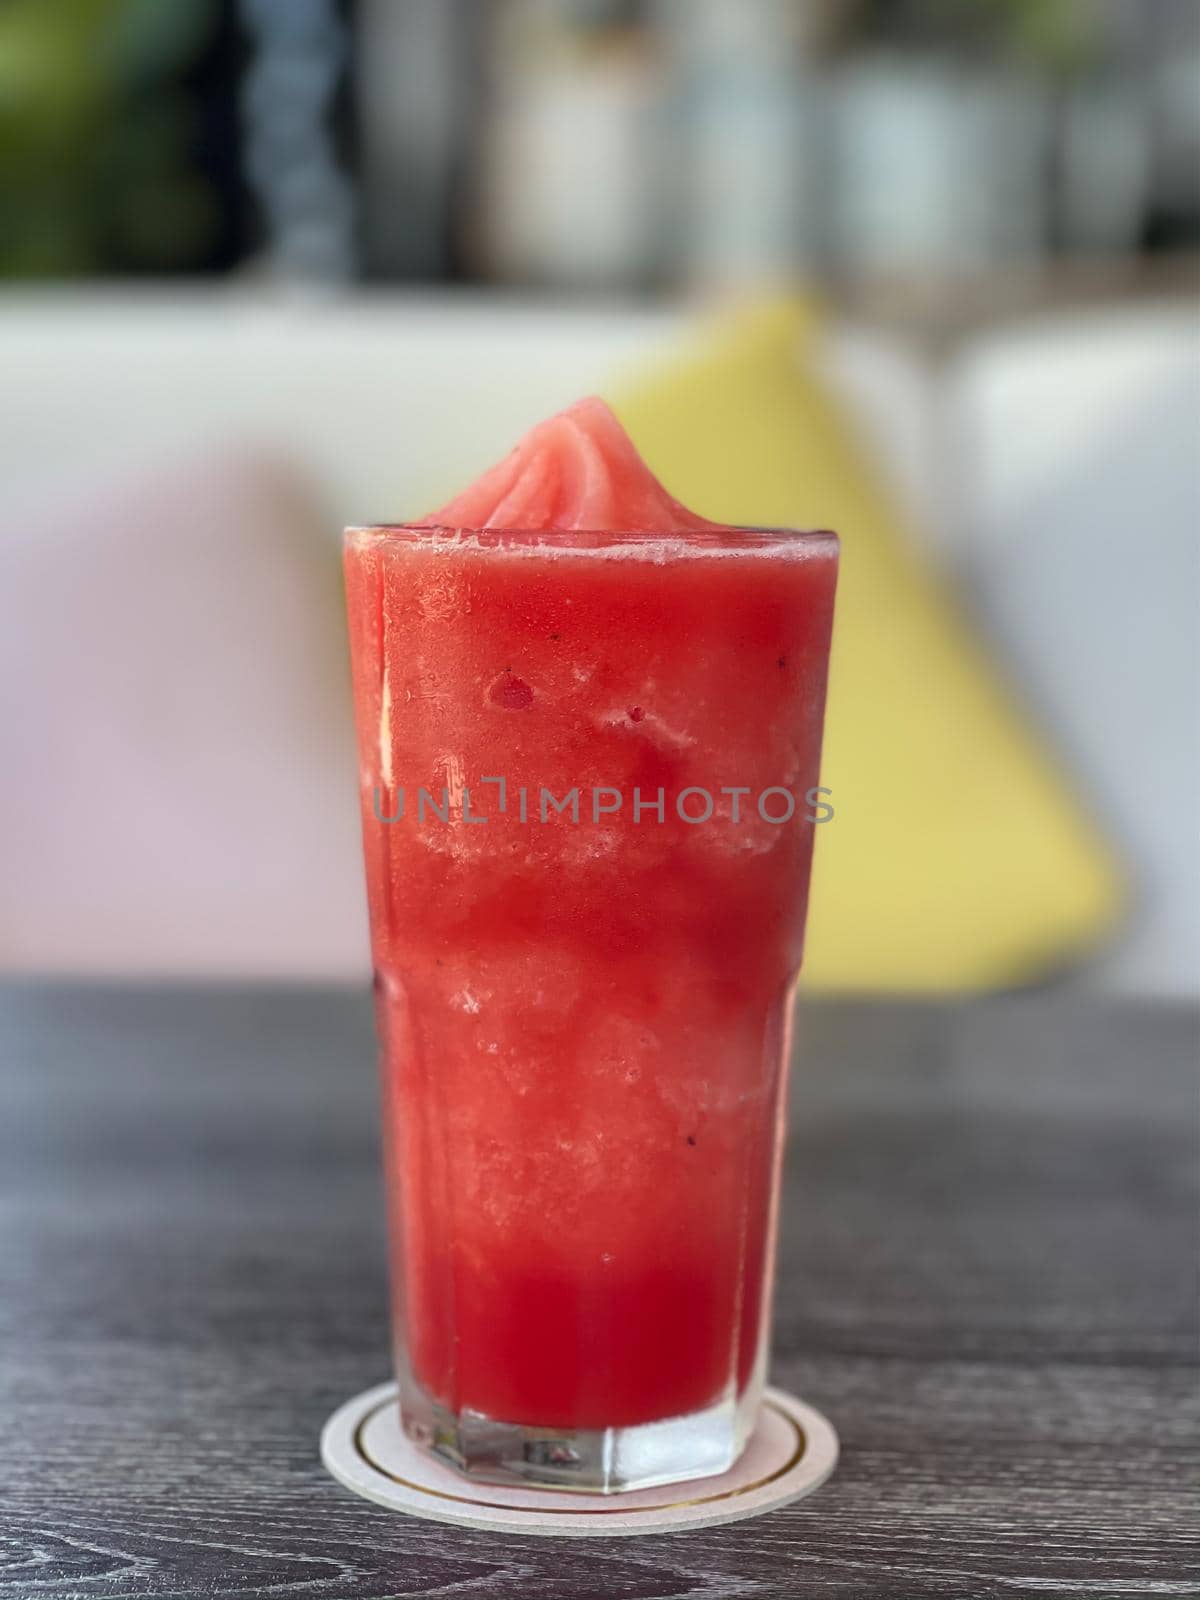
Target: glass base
x,y
593,1460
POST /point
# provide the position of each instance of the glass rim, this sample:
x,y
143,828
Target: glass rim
x,y
723,540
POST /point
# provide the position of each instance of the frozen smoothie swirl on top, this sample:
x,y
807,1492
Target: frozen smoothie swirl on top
x,y
577,470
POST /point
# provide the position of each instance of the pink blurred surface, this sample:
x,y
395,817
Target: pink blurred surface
x,y
181,799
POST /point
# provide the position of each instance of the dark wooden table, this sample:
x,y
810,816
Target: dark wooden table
x,y
988,1281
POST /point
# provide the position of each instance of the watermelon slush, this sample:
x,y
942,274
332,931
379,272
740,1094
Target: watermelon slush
x,y
582,712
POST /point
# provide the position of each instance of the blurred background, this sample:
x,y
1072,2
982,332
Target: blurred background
x,y
922,271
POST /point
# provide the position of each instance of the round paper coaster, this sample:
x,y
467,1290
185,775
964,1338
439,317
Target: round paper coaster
x,y
791,1453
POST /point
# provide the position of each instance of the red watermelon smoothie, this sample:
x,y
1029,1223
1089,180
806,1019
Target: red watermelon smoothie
x,y
589,725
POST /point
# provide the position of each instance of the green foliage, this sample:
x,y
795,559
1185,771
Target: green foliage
x,y
1050,35
94,136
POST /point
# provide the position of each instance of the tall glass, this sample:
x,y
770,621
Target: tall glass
x,y
588,771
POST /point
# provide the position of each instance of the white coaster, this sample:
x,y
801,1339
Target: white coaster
x,y
791,1453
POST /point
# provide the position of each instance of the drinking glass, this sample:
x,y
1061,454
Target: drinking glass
x,y
589,769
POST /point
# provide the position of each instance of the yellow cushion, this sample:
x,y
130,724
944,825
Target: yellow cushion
x,y
958,858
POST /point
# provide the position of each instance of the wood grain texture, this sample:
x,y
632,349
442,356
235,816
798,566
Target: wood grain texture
x,y
987,1281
